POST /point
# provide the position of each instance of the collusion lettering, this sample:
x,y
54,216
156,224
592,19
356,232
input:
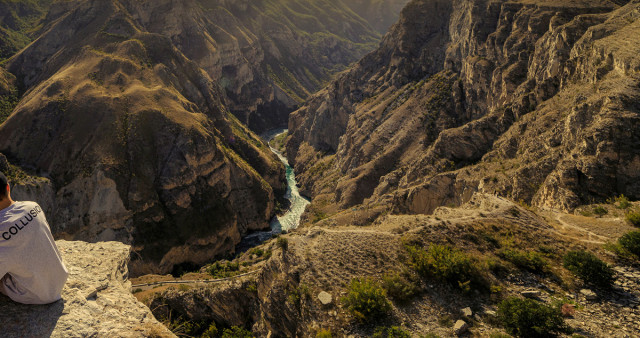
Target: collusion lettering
x,y
23,222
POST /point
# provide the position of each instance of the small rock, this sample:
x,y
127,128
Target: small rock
x,y
530,293
467,312
325,298
460,327
490,313
588,294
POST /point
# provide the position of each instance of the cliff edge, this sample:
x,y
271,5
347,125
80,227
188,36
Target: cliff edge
x,y
96,301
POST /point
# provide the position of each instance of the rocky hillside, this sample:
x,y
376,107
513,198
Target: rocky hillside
x,y
380,14
136,113
536,101
136,140
298,285
268,56
96,300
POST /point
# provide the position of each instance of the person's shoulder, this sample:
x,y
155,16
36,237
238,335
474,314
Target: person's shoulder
x,y
27,204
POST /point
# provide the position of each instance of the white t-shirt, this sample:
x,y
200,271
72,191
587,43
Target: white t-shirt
x,y
31,268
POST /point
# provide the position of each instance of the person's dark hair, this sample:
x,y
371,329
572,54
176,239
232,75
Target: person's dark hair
x,y
3,186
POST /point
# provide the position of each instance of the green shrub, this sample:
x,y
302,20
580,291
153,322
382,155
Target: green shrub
x,y
211,332
447,264
391,332
528,260
367,300
600,211
222,270
590,268
633,218
401,287
256,251
297,294
622,202
530,318
236,332
323,333
631,242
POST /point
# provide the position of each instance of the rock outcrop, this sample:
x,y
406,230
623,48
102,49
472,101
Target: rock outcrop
x,y
536,101
96,301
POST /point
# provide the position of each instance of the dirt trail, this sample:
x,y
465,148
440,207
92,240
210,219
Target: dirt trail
x,y
592,230
586,236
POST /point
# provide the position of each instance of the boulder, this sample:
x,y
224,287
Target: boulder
x,y
325,298
589,295
467,312
96,300
460,327
530,293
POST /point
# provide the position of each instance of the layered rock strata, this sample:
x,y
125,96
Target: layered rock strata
x,y
536,101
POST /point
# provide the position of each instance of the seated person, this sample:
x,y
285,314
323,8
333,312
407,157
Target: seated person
x,y
31,269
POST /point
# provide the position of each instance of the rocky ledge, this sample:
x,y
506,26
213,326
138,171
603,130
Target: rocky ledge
x,y
96,301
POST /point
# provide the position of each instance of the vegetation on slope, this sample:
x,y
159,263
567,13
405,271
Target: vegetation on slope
x,y
19,21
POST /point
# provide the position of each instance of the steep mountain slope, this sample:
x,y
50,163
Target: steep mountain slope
x,y
137,140
19,22
269,55
533,100
131,109
380,14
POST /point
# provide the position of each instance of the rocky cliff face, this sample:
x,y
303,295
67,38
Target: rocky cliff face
x,y
268,56
536,101
96,301
130,109
136,139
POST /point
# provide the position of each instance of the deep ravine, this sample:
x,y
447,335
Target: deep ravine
x,y
297,203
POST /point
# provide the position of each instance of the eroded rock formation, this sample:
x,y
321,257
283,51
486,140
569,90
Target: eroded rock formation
x,y
536,101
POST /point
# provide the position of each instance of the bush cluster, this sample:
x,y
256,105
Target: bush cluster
x,y
367,300
590,268
391,332
631,242
600,211
532,261
324,333
530,318
236,332
222,270
447,264
401,287
622,202
633,217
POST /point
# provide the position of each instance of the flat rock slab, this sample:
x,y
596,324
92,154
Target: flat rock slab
x,y
96,301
